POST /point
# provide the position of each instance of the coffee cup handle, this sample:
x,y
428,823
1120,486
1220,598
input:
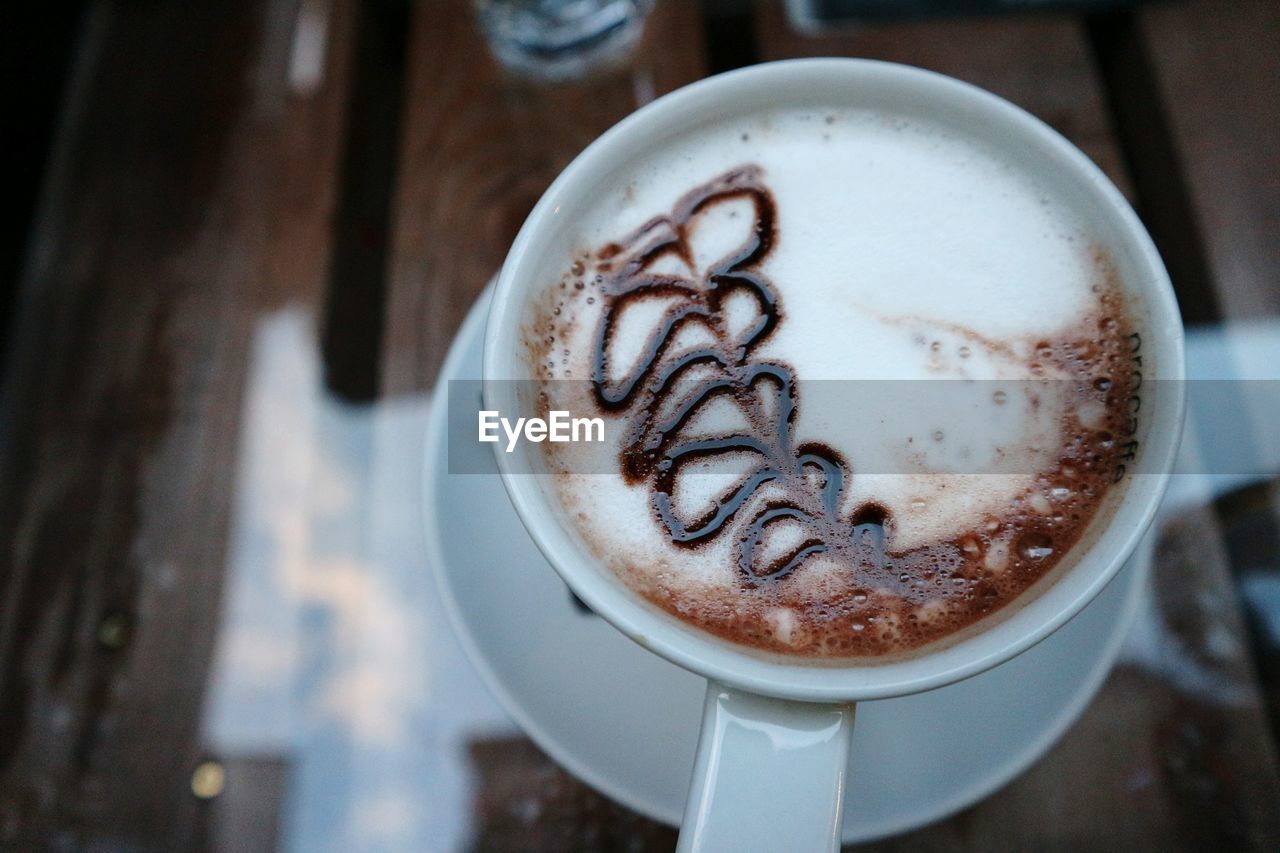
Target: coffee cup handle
x,y
769,774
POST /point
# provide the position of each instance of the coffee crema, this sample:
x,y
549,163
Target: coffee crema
x,y
741,494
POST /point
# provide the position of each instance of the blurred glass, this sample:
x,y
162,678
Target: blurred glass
x,y
559,39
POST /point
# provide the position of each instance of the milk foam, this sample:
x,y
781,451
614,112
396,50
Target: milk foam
x,y
904,251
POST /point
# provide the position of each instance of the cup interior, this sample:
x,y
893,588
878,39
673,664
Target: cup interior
x,y
543,242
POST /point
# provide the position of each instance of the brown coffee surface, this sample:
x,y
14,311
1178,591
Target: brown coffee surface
x,y
816,576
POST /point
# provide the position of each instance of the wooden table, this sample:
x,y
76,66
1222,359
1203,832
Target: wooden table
x,y
261,225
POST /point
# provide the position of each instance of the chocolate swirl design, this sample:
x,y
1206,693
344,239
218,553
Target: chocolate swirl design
x,y
670,384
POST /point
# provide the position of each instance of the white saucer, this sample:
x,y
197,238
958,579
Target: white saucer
x,y
626,722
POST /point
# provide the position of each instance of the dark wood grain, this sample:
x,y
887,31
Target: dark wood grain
x,y
480,146
1217,77
190,186
1041,62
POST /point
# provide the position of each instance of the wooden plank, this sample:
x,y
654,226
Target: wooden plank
x,y
311,84
1216,69
1251,530
1158,181
311,89
565,813
1041,62
1213,73
480,147
192,189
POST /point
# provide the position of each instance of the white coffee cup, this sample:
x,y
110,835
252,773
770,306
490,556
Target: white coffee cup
x,y
775,735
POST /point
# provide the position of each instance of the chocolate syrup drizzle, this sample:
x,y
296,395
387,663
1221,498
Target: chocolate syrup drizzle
x,y
808,479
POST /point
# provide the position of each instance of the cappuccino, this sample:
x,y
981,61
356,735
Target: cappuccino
x,y
773,315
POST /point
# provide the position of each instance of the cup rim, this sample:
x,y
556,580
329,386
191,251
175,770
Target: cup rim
x,y
718,659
